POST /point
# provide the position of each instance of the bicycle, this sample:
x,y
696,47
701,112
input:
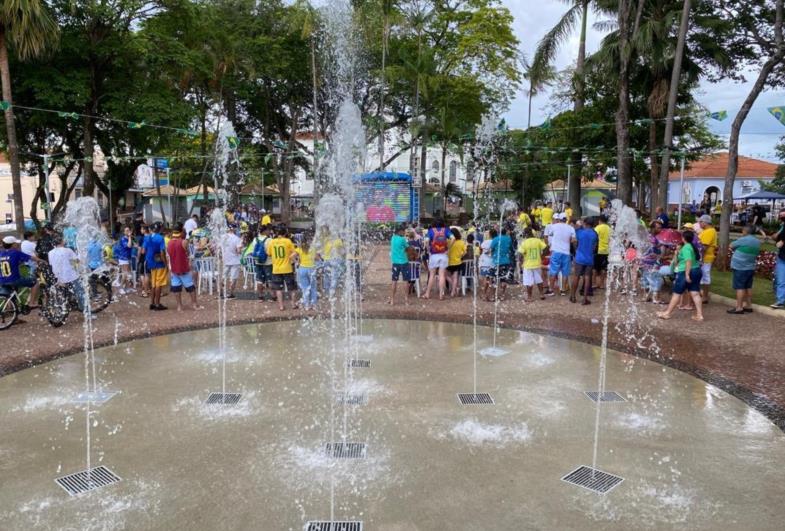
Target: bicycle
x,y
12,305
58,300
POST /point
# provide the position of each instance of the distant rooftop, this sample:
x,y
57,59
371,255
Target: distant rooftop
x,y
715,166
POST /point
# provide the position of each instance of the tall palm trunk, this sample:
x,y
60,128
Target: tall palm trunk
x,y
385,31
317,185
662,198
654,176
10,126
444,184
574,180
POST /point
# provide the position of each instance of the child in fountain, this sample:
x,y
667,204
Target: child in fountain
x,y
281,249
180,268
400,262
530,257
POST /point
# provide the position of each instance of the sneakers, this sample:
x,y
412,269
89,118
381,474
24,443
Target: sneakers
x,y
778,306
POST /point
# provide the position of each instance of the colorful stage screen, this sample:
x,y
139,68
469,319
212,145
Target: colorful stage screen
x,y
384,201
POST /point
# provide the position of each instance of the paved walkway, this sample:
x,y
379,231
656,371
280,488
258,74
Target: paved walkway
x,y
744,355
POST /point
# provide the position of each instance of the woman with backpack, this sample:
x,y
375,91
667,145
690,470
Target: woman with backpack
x,y
438,244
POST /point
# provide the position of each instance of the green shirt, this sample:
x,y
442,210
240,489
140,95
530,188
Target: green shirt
x,y
398,245
686,253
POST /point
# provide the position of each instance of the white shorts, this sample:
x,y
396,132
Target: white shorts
x,y
532,277
705,274
123,262
438,261
232,272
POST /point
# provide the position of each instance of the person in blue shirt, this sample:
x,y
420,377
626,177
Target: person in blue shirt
x,y
10,260
584,259
501,248
155,263
399,261
123,252
95,255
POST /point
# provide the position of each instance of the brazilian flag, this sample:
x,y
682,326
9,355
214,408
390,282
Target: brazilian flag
x,y
719,115
778,113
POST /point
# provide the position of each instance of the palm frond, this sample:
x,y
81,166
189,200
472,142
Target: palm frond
x,y
548,46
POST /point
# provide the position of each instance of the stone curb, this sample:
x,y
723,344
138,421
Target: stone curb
x,y
763,310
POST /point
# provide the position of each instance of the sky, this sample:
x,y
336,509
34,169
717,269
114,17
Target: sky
x,y
533,18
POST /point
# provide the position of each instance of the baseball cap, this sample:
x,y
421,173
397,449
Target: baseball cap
x,y
10,239
705,218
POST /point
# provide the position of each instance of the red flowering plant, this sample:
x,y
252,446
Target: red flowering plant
x,y
764,265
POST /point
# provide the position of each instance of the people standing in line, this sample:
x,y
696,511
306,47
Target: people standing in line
x,y
745,253
180,268
399,260
155,264
232,248
708,238
686,265
559,237
587,243
306,256
281,249
438,244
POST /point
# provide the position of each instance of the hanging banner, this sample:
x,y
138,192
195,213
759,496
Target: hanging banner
x,y
719,115
778,113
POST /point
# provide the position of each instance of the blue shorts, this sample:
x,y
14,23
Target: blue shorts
x,y
742,278
680,285
178,282
401,270
264,273
560,263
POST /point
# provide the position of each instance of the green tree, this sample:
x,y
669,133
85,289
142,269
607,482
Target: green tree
x,y
29,28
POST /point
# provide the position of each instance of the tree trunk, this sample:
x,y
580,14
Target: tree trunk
x,y
623,172
423,170
662,198
654,175
733,150
574,183
317,186
385,30
10,126
444,184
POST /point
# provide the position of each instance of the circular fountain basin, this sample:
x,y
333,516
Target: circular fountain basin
x,y
691,456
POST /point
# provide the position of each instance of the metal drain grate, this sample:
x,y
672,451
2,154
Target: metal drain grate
x,y
85,481
223,398
593,479
346,450
334,526
99,397
353,400
607,396
471,399
493,352
355,363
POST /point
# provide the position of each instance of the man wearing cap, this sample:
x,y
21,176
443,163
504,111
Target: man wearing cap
x,y
708,238
155,263
10,259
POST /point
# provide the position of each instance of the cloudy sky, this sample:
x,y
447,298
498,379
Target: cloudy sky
x,y
533,18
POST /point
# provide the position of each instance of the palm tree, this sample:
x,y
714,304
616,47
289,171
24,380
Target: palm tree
x,y
29,27
544,57
537,82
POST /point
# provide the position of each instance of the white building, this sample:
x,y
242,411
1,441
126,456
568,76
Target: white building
x,y
705,179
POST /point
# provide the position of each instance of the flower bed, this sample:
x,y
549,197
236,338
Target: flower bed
x,y
764,265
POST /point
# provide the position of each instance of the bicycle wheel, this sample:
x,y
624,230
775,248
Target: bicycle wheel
x,y
8,311
55,306
100,294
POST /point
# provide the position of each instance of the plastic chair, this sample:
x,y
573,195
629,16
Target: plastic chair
x,y
206,268
414,275
468,274
249,270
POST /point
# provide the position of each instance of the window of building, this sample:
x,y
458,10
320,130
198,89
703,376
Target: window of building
x,y
453,171
9,218
10,198
435,165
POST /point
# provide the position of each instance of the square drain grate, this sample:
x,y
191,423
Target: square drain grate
x,y
493,352
346,450
85,481
471,399
98,397
334,526
593,479
364,364
223,398
353,400
607,396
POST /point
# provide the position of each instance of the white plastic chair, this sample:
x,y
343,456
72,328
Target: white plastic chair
x,y
468,273
206,268
249,270
414,273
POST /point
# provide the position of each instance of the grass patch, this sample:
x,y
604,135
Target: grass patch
x,y
722,284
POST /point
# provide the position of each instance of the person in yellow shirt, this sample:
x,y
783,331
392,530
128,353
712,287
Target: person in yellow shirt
x,y
537,214
568,211
281,250
305,255
455,254
530,258
547,214
266,219
332,252
524,221
708,238
603,231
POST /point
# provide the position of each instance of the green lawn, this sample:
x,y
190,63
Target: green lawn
x,y
721,284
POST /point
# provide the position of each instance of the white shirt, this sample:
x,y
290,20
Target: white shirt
x,y
28,248
61,259
486,260
559,237
190,225
231,249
